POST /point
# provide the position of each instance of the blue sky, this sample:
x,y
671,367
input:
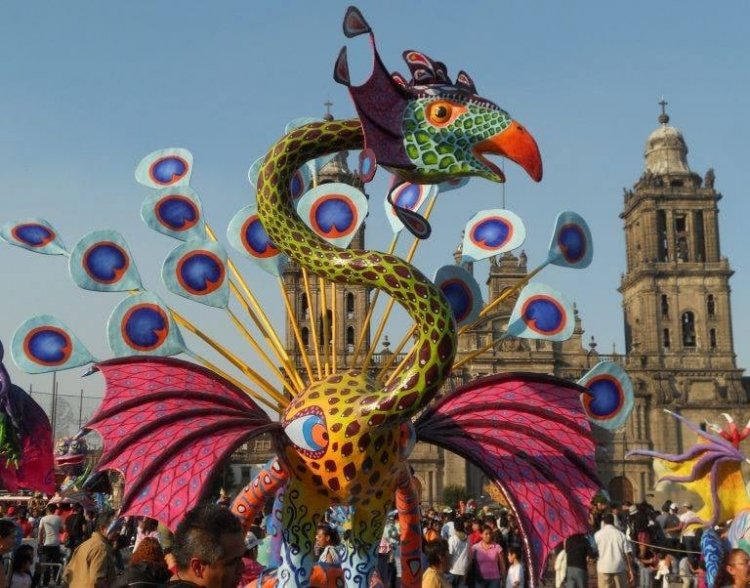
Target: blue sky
x,y
91,87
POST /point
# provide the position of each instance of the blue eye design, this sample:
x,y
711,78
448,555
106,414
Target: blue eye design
x,y
309,433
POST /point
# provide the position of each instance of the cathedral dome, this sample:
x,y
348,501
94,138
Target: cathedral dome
x,y
666,151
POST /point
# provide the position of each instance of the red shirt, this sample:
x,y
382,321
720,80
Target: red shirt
x,y
475,537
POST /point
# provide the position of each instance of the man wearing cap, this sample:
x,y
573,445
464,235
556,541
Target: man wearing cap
x,y
689,540
614,567
670,524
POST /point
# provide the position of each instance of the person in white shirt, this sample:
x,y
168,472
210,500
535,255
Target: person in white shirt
x,y
689,540
458,552
50,526
614,567
515,577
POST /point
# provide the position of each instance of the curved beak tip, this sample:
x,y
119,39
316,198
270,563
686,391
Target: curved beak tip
x,y
517,144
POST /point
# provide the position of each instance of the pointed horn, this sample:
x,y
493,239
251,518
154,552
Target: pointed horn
x,y
341,69
354,23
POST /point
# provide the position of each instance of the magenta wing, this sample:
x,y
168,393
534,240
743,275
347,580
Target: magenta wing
x,y
167,425
530,435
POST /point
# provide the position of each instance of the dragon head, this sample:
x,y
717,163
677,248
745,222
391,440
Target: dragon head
x,y
70,455
429,129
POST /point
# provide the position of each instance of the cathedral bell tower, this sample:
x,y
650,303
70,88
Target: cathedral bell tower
x,y
676,295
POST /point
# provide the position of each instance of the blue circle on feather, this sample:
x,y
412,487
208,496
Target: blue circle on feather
x,y
48,346
177,213
106,262
606,396
168,170
459,297
33,234
334,216
491,233
543,314
200,272
408,196
256,240
145,327
572,242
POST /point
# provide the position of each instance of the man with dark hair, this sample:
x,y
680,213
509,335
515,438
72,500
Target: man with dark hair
x,y
208,548
92,564
50,526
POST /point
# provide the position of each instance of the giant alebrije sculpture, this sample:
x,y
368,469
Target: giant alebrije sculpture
x,y
345,432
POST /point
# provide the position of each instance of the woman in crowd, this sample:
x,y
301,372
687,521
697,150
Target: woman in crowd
x,y
736,569
147,566
489,564
327,540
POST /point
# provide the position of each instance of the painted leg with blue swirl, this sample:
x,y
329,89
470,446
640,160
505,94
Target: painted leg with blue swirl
x,y
368,521
302,511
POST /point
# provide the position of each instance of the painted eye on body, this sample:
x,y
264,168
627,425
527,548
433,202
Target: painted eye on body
x,y
309,433
441,113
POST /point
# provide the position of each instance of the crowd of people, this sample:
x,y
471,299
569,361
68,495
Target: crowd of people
x,y
627,545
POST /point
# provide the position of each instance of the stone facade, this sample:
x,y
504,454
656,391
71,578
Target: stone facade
x,y
678,329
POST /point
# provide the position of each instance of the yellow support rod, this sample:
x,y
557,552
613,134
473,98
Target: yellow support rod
x,y
326,326
255,377
313,328
293,375
388,362
261,354
257,314
368,317
334,349
219,372
389,307
463,361
295,329
502,297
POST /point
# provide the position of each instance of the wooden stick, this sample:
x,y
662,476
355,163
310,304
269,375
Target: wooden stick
x,y
293,375
313,328
334,349
256,312
285,382
368,317
295,329
254,376
392,357
219,372
326,327
478,352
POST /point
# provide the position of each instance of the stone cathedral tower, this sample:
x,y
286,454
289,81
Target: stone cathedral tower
x,y
676,302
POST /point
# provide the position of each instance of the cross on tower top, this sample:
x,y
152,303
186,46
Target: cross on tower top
x,y
663,117
328,115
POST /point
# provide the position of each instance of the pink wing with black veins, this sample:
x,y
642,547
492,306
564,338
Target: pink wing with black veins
x,y
167,426
530,435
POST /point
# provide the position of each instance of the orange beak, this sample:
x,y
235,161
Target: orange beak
x,y
517,144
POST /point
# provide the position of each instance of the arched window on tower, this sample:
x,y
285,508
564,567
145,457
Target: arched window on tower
x,y
664,306
304,306
688,329
711,306
350,305
667,342
712,338
350,340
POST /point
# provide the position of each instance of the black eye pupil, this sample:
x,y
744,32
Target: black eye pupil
x,y
441,111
